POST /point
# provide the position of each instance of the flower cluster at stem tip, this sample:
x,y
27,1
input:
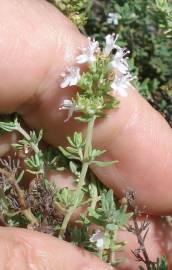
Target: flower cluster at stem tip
x,y
107,73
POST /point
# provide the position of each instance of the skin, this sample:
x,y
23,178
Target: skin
x,y
37,43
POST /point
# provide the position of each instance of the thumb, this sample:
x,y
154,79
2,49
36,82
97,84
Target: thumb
x,y
25,249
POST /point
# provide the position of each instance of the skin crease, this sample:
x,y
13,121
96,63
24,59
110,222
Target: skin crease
x,y
34,51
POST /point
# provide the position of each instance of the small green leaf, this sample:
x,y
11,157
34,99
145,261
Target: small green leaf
x,y
19,178
104,163
73,167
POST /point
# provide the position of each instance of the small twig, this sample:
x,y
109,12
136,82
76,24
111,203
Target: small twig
x,y
2,221
138,230
10,177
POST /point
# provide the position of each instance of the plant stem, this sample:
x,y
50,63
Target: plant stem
x,y
81,182
112,255
2,221
131,199
21,198
95,197
100,253
34,146
140,240
30,217
28,138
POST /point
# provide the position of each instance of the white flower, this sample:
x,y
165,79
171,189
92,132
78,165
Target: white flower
x,y
110,44
119,63
113,18
120,85
72,77
69,106
88,53
97,238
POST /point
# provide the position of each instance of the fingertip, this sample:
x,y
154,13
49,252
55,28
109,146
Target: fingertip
x,y
25,248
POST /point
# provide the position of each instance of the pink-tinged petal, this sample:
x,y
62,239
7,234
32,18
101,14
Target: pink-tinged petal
x,y
65,83
83,58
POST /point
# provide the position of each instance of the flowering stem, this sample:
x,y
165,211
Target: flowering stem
x,y
81,182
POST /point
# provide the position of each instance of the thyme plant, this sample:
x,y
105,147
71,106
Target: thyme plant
x,y
43,206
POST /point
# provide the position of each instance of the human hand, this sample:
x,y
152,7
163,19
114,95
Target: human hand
x,y
37,43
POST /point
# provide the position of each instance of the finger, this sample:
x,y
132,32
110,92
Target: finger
x,y
24,249
134,134
5,143
141,140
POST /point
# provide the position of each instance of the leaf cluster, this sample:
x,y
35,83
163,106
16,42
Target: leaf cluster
x,y
76,10
160,264
108,214
75,151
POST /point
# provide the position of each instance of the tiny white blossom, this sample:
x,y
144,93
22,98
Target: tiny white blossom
x,y
88,53
113,18
97,238
119,63
69,106
120,85
110,44
72,77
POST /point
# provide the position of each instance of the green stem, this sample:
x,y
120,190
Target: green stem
x,y
81,182
30,217
28,138
112,253
33,145
95,197
100,253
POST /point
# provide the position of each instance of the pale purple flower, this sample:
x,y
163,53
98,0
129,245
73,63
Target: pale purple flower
x,y
88,54
113,18
110,44
119,63
98,239
69,106
120,85
72,77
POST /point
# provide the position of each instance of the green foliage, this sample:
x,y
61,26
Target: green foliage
x,y
165,10
145,28
107,215
160,264
66,197
75,151
76,10
30,143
